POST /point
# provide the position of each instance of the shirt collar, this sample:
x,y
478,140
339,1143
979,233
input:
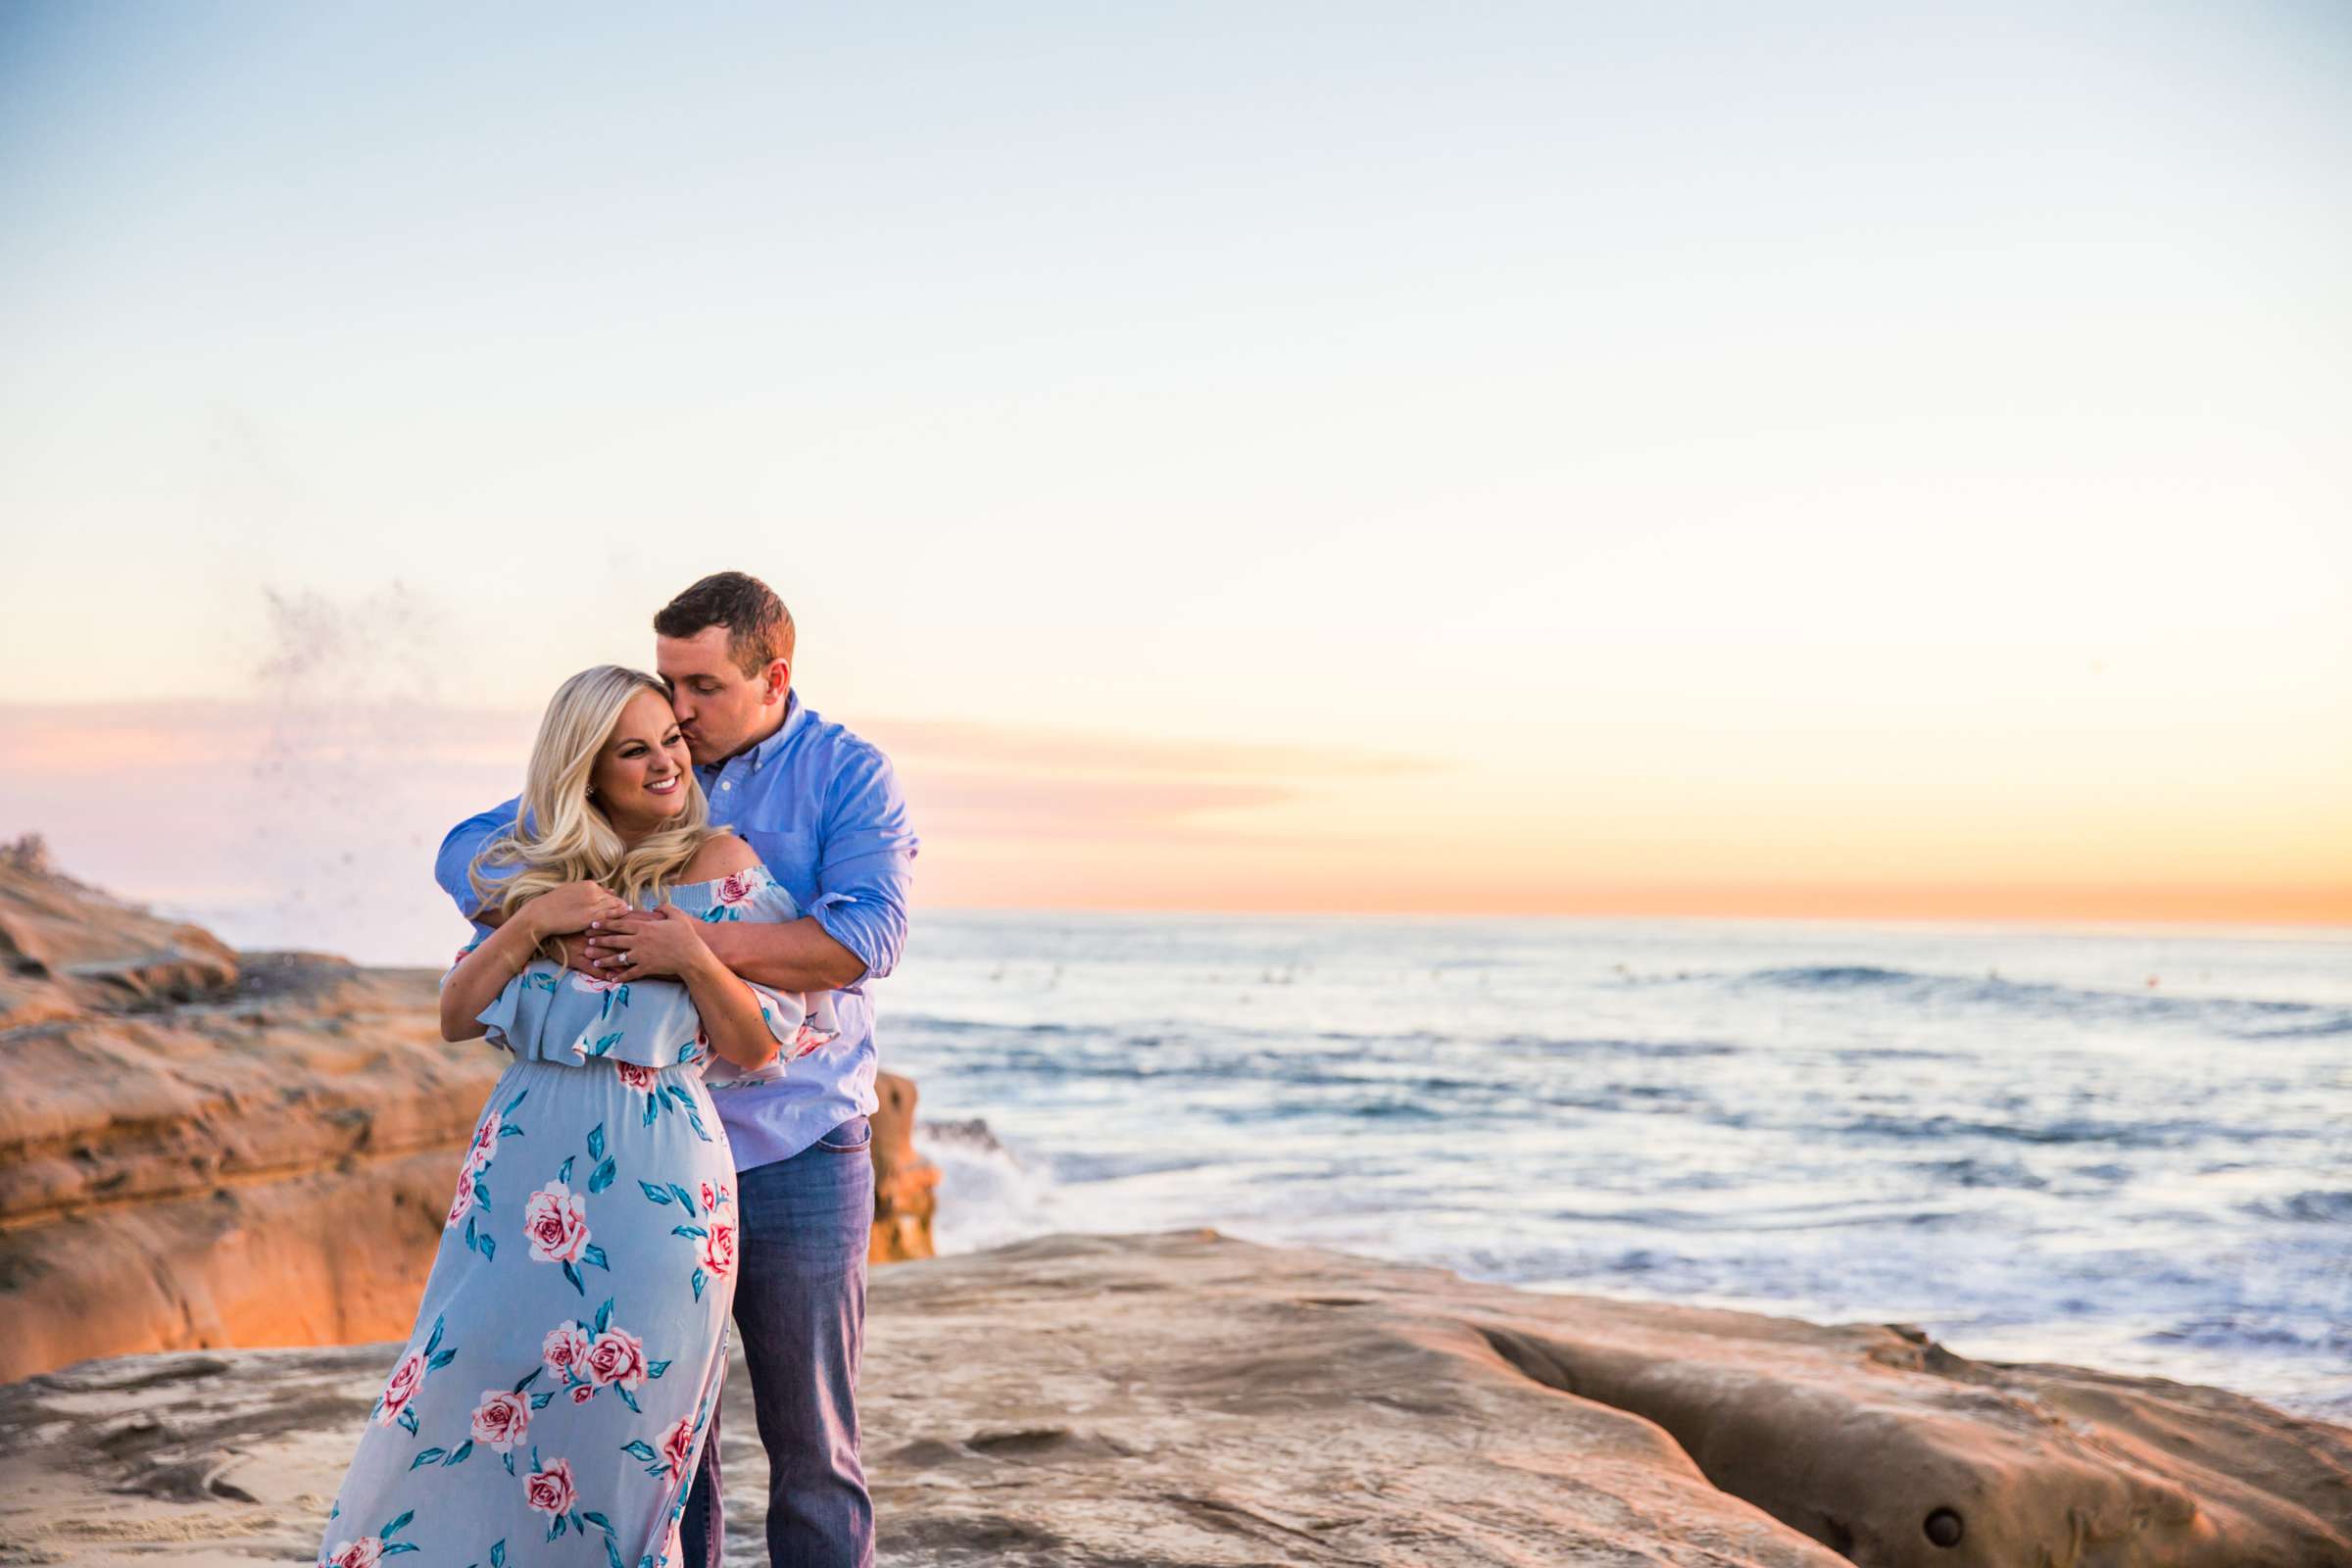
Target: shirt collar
x,y
769,750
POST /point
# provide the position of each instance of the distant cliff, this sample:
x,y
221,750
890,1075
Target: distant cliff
x,y
201,1148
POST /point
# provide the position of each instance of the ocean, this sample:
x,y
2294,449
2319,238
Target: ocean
x,y
2129,1149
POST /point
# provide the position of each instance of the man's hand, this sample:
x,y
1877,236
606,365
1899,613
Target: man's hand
x,y
662,943
605,952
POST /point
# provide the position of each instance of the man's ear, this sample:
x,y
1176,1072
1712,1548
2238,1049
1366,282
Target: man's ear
x,y
779,679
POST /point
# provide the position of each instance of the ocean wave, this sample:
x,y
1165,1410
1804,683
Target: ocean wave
x,y
1609,1046
1969,1171
2065,1130
987,1195
2310,1209
2240,1018
1079,1167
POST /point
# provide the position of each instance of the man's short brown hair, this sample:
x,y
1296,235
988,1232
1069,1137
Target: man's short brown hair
x,y
758,626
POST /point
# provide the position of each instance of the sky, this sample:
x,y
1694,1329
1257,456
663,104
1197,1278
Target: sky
x,y
1784,460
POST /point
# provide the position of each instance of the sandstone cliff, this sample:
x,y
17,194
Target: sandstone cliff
x,y
201,1148
1190,1399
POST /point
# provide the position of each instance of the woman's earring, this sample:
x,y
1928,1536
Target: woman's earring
x,y
592,792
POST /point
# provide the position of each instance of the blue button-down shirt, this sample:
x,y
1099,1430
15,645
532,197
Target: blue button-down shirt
x,y
824,810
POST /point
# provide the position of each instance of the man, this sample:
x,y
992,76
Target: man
x,y
824,812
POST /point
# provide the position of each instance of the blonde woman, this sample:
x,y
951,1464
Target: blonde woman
x,y
552,1405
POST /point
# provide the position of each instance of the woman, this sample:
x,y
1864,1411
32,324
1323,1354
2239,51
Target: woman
x,y
552,1404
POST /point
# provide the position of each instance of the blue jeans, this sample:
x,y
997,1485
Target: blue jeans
x,y
800,1307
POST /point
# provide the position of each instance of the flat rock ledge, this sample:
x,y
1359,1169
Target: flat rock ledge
x,y
1186,1398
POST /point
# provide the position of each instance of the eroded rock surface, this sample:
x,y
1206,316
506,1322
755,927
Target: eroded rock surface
x,y
906,1185
200,1147
1191,1399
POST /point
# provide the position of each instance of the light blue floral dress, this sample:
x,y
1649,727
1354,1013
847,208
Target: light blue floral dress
x,y
551,1406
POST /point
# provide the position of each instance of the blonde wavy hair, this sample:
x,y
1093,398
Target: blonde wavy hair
x,y
570,838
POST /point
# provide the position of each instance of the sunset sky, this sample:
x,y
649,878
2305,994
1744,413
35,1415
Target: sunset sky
x,y
1784,460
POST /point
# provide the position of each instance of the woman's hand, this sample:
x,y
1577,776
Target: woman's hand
x,y
567,910
665,942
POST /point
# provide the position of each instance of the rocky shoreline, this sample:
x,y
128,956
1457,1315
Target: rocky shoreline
x,y
1187,1399
202,1150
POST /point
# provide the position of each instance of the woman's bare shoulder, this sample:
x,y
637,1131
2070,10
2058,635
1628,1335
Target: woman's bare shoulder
x,y
722,855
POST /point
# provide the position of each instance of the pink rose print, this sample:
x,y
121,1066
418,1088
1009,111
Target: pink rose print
x,y
736,888
485,1144
365,1553
713,1198
618,1356
407,1378
582,1392
461,1205
501,1419
677,1445
636,1077
564,1349
549,1491
808,1039
556,1222
594,984
719,1248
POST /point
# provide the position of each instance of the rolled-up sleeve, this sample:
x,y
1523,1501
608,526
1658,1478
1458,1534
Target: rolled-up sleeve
x,y
866,867
459,850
